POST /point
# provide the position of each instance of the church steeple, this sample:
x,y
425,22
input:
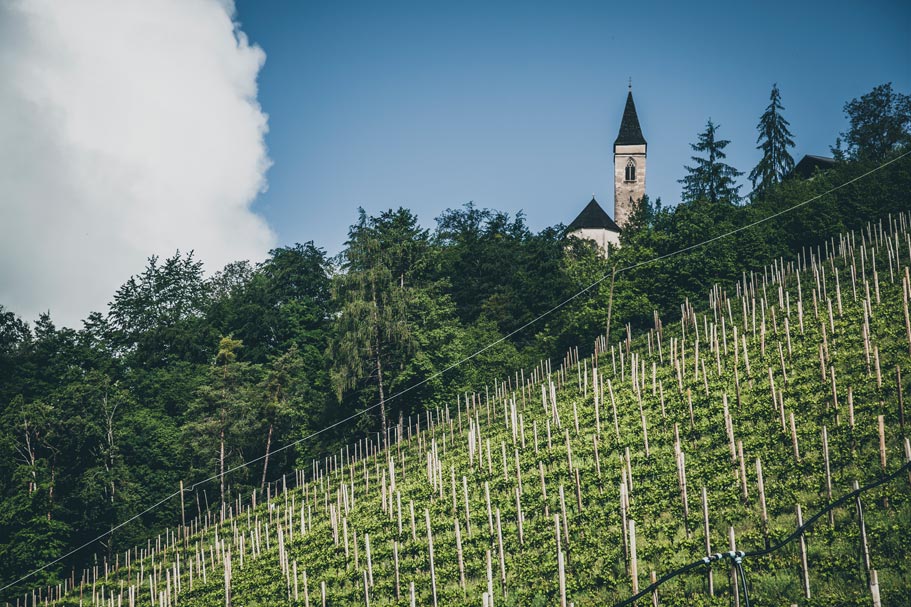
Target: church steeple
x,y
629,185
629,163
630,131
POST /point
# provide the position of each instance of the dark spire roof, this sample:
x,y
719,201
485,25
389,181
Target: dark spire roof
x,y
593,216
630,131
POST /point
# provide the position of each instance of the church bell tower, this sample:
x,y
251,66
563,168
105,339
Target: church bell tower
x,y
629,163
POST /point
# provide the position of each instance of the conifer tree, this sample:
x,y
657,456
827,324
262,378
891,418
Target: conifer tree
x,y
219,413
275,407
711,179
774,140
373,292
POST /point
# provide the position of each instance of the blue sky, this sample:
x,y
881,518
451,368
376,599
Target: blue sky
x,y
515,106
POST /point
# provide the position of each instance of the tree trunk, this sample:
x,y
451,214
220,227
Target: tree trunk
x,y
109,429
610,305
221,439
31,458
379,378
50,491
262,485
379,364
221,462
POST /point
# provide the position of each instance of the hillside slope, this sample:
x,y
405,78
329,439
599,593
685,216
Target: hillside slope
x,y
771,398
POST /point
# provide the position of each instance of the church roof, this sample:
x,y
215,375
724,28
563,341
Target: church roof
x,y
593,216
630,131
809,163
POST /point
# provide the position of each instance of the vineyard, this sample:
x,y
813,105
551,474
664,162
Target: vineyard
x,y
580,481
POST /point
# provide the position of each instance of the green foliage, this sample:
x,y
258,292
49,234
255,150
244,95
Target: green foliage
x,y
221,411
283,302
154,318
475,245
774,140
879,125
382,268
710,178
496,268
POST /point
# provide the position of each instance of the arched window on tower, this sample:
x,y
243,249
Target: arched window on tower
x,y
630,170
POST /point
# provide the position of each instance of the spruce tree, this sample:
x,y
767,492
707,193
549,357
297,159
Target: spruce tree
x,y
711,179
774,140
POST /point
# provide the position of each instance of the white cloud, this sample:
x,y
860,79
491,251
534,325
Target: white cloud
x,y
127,128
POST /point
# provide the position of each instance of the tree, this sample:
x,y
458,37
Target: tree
x,y
219,411
15,342
225,358
711,179
280,377
93,412
283,302
475,245
880,124
155,317
774,140
379,262
643,216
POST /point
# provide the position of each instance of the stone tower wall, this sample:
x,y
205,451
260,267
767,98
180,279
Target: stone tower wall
x,y
624,190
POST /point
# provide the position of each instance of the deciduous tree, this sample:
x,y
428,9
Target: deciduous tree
x,y
879,124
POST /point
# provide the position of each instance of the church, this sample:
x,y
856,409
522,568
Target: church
x,y
593,222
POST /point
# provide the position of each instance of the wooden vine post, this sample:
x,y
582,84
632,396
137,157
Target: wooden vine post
x,y
634,560
825,457
794,443
433,573
732,545
874,588
183,517
501,550
762,502
901,400
489,592
653,578
624,508
864,546
708,541
908,457
805,571
227,567
561,572
458,534
395,554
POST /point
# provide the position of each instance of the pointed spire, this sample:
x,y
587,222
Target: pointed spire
x,y
630,131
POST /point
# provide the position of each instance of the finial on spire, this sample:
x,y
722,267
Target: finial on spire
x,y
630,83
